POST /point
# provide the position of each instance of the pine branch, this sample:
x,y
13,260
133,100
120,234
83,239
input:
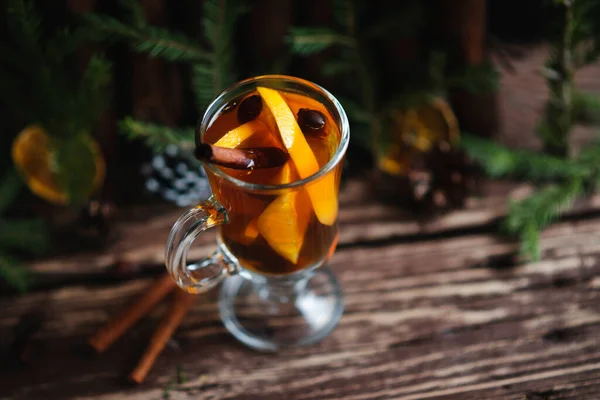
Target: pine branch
x,y
35,68
588,55
590,155
586,108
14,273
10,185
539,210
26,61
65,42
309,40
556,125
530,242
203,85
157,136
220,17
155,41
75,166
24,22
93,93
25,235
136,13
499,162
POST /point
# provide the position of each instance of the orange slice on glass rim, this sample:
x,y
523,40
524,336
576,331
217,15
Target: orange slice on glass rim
x,y
322,193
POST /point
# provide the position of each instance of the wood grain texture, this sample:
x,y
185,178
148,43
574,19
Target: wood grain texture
x,y
429,322
435,309
143,232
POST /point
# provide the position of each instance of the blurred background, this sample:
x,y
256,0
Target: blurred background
x,y
101,98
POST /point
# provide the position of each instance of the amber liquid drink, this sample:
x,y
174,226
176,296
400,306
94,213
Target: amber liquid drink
x,y
272,148
278,233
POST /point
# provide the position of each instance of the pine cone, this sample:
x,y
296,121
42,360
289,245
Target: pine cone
x,y
177,177
442,178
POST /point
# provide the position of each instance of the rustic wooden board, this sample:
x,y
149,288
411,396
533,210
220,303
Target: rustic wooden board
x,y
143,232
423,320
435,309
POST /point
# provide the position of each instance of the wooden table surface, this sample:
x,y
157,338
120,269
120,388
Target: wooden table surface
x,y
435,309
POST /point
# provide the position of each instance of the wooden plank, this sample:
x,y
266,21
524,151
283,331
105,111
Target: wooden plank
x,y
143,232
423,320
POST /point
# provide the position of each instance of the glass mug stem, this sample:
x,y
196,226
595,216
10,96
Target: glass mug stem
x,y
203,275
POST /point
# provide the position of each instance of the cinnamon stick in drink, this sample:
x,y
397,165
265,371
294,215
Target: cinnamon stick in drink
x,y
180,305
106,335
251,158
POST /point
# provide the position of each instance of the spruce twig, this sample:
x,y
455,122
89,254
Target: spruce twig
x,y
156,136
210,78
13,273
310,40
499,161
586,108
155,41
9,189
352,59
212,67
96,77
527,217
568,179
23,234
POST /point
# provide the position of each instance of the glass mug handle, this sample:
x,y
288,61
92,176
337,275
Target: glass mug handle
x,y
203,275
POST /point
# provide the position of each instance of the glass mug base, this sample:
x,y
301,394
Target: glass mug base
x,y
273,314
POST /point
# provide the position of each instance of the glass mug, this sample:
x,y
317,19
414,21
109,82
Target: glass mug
x,y
266,302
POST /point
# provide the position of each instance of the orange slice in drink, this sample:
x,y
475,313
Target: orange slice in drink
x,y
284,222
250,134
320,149
298,101
251,231
322,192
238,136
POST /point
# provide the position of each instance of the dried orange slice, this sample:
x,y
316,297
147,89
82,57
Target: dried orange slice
x,y
423,126
322,192
417,129
34,158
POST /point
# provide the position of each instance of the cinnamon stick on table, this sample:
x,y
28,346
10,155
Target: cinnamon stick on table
x,y
251,158
106,335
180,305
